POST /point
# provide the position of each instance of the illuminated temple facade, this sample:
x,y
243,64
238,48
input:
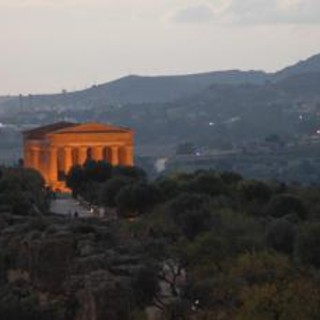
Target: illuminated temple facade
x,y
55,148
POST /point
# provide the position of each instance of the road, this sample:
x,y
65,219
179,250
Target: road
x,y
69,207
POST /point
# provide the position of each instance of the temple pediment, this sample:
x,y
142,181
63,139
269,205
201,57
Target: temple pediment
x,y
91,128
41,132
69,127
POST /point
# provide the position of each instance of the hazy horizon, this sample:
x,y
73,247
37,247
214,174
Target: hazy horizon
x,y
51,45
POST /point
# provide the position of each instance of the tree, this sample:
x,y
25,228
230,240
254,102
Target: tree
x,y
97,171
230,177
286,204
191,213
261,268
75,178
136,198
168,187
146,284
294,298
130,172
22,191
206,182
111,188
307,246
256,191
206,250
280,235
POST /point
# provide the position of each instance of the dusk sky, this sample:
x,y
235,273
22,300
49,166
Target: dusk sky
x,y
50,45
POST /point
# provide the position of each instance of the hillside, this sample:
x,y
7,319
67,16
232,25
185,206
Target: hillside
x,y
232,113
139,89
136,89
311,64
215,110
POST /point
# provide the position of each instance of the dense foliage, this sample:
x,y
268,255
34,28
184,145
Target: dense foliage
x,y
22,191
202,245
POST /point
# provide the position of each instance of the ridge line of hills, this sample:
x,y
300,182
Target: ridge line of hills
x,y
134,89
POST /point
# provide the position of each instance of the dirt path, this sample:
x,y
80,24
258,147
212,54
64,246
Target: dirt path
x,y
69,207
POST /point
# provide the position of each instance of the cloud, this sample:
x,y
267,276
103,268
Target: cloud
x,y
250,12
42,2
200,12
78,3
195,14
275,11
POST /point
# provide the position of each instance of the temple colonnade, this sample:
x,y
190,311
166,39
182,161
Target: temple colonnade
x,y
54,161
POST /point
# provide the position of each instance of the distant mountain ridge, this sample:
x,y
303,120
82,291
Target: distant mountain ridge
x,y
311,64
154,89
135,89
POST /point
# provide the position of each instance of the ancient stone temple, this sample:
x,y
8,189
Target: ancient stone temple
x,y
55,148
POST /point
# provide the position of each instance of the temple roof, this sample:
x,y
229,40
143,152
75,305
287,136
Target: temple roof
x,y
69,127
92,127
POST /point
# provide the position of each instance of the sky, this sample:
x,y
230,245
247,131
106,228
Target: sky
x,y
53,45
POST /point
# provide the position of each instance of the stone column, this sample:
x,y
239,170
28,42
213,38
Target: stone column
x,y
97,153
114,155
43,163
129,155
82,155
36,159
53,165
67,159
33,161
